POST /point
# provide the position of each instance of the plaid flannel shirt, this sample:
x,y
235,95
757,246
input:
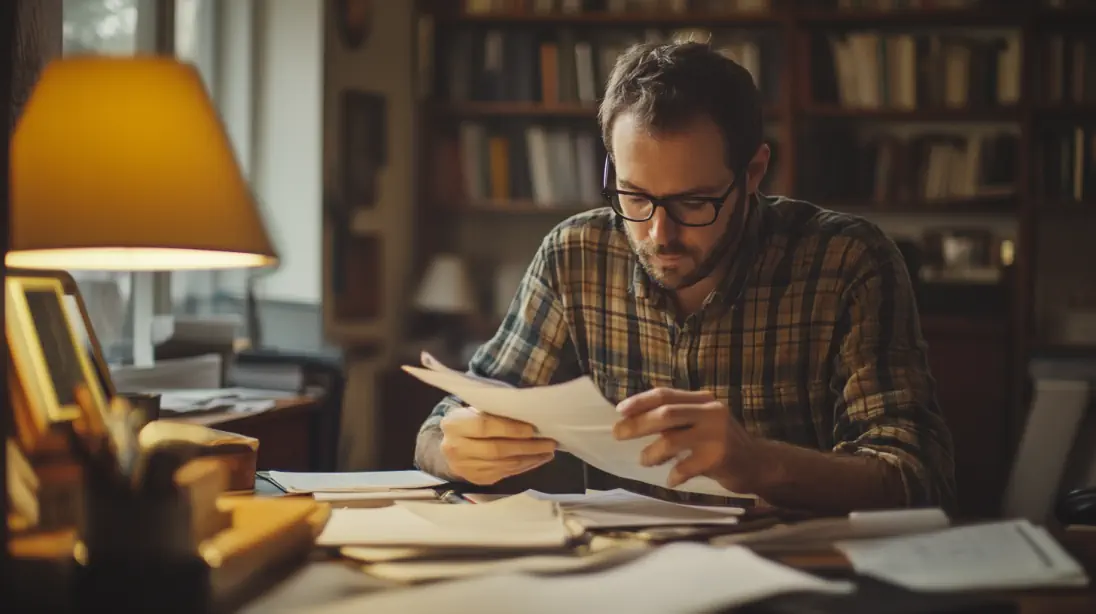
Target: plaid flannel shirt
x,y
811,338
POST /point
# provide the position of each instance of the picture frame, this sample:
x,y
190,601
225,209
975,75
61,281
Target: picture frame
x,y
46,354
354,21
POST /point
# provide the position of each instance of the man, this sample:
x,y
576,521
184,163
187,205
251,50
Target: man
x,y
773,345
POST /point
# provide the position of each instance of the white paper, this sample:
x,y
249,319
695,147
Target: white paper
x,y
410,571
361,481
575,415
380,496
823,532
507,523
994,556
620,509
679,577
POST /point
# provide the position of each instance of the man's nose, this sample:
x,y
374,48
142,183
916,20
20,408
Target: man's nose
x,y
662,228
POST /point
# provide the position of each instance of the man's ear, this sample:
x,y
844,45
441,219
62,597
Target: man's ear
x,y
756,169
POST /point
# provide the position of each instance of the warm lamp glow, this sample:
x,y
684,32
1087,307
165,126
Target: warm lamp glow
x,y
121,163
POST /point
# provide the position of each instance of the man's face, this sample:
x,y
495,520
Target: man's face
x,y
690,161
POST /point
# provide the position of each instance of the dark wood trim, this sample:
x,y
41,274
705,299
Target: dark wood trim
x,y
7,110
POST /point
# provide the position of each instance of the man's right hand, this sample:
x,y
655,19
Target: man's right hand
x,y
483,449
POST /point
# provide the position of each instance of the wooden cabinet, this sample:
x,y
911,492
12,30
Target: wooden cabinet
x,y
971,360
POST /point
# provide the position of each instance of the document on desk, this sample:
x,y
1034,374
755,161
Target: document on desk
x,y
353,481
679,577
622,509
574,414
513,522
1005,555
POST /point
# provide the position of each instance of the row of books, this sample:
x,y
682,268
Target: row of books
x,y
573,7
1065,164
568,66
871,70
545,165
1066,72
929,167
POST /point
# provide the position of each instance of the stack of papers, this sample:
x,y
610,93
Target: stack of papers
x,y
622,509
513,522
191,401
681,577
994,556
574,414
354,482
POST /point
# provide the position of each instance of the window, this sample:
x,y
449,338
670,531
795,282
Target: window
x,y
100,26
273,117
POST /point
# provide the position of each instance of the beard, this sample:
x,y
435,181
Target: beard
x,y
692,265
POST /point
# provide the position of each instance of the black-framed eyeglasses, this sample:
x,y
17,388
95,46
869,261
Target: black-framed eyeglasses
x,y
640,207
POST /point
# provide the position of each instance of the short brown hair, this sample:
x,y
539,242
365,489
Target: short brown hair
x,y
667,85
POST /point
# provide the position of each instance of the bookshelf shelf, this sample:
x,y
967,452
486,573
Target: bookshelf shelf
x,y
1064,111
596,18
1003,114
988,205
909,17
534,110
523,207
514,109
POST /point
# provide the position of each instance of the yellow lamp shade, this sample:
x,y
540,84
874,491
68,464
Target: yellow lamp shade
x,y
122,163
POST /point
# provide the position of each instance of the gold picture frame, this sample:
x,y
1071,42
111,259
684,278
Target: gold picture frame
x,y
46,353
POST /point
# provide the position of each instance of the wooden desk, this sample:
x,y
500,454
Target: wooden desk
x,y
324,581
285,433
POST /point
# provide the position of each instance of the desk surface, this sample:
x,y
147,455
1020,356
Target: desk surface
x,y
323,580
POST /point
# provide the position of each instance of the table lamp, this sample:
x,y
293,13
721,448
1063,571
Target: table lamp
x,y
122,164
446,296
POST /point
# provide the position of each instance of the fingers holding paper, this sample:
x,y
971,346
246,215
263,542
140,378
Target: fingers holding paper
x,y
694,429
483,449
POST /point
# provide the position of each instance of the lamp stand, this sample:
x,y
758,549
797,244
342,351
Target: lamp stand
x,y
143,294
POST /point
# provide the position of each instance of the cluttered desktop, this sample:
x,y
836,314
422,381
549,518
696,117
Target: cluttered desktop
x,y
158,502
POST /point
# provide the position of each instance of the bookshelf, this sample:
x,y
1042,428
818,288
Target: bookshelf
x,y
941,113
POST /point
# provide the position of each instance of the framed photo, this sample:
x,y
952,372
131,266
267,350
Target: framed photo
x,y
354,19
48,358
364,147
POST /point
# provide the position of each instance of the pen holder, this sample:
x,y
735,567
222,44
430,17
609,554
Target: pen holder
x,y
138,550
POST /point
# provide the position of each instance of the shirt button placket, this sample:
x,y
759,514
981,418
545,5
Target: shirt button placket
x,y
682,343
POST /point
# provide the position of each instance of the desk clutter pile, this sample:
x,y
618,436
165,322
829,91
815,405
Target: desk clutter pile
x,y
619,551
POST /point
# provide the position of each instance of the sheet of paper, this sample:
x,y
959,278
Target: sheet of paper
x,y
521,508
361,481
823,532
381,497
432,570
680,577
576,415
1011,554
506,523
621,509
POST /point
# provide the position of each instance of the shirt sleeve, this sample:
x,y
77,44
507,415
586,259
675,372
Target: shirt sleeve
x,y
532,345
888,408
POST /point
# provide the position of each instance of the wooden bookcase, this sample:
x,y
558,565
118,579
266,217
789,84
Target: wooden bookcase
x,y
808,119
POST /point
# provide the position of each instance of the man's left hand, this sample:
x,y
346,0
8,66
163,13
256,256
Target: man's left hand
x,y
692,425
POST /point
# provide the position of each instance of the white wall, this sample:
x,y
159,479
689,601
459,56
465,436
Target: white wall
x,y
288,148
